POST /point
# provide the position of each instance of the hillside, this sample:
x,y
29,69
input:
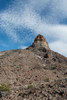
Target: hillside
x,y
35,73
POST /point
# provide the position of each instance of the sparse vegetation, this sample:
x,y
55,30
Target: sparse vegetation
x,y
30,86
46,80
52,67
33,74
4,87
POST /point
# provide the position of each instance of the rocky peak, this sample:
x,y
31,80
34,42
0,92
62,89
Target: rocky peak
x,y
40,41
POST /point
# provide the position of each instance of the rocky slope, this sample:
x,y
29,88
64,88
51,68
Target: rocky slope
x,y
36,73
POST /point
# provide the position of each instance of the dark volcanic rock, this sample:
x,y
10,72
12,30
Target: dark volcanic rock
x,y
0,95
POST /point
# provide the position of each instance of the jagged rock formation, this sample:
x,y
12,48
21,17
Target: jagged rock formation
x,y
40,41
36,73
41,48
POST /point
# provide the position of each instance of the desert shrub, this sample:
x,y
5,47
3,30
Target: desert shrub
x,y
4,87
30,86
46,80
53,67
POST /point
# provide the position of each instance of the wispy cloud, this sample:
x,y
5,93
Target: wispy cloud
x,y
59,46
40,16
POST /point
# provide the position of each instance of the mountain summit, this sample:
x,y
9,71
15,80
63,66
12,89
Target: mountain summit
x,y
40,41
35,73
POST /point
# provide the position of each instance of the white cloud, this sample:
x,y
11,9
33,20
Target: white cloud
x,y
59,46
27,15
23,47
9,31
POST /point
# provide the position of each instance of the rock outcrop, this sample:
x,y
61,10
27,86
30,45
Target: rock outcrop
x,y
35,73
40,41
41,48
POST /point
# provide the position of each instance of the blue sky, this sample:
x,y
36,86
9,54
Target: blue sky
x,y
22,20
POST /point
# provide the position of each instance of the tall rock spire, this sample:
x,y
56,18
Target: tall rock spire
x,y
40,41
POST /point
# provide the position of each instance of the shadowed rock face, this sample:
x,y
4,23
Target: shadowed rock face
x,y
40,41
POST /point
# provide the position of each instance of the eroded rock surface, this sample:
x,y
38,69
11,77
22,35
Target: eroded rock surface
x,y
36,73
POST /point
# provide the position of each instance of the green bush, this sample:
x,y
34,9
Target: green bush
x,y
53,67
4,87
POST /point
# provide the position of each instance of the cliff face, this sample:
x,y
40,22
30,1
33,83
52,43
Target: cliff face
x,y
35,73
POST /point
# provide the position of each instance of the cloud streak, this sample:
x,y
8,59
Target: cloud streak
x,y
41,16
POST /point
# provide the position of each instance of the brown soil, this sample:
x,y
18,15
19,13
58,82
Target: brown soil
x,y
33,74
